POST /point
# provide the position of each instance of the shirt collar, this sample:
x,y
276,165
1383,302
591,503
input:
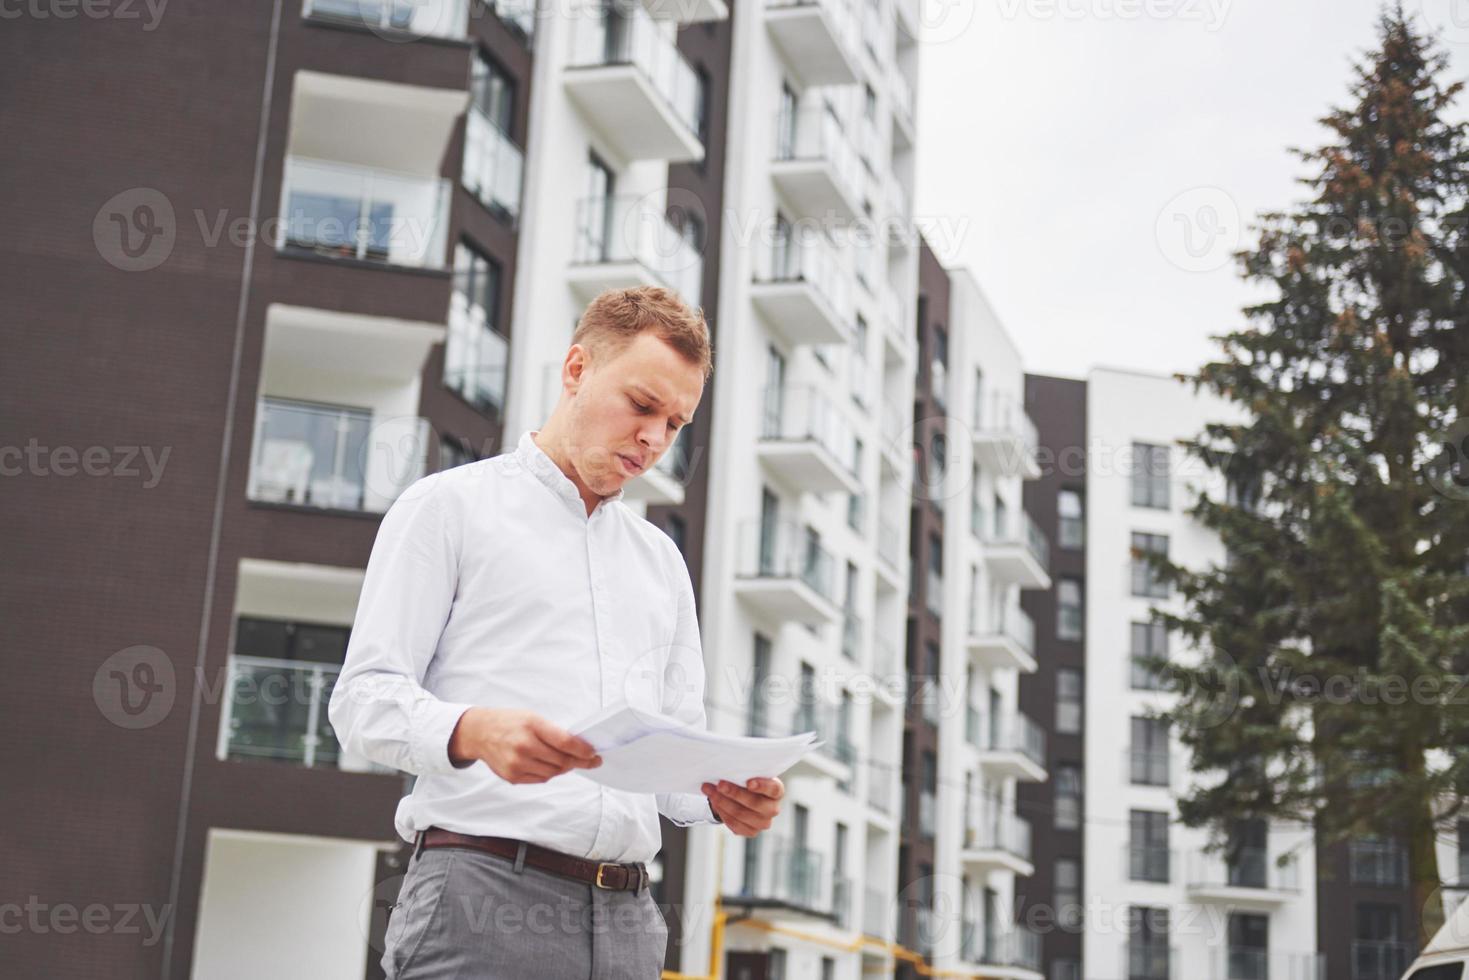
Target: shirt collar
x,y
544,468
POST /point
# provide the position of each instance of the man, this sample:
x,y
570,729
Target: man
x,y
505,600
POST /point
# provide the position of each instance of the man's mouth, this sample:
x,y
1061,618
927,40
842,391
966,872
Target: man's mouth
x,y
632,465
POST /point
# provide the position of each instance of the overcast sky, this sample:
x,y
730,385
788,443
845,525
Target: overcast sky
x,y
1094,164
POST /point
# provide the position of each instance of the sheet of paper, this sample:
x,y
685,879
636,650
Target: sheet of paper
x,y
651,753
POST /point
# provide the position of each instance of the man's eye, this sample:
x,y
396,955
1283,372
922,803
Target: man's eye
x,y
640,406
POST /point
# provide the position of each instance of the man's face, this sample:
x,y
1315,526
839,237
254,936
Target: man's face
x,y
628,408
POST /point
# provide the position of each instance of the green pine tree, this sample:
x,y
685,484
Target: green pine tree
x,y
1331,643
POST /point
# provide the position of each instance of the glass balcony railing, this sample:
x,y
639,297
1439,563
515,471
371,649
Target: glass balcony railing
x,y
803,413
310,455
277,710
1380,960
1015,733
988,827
808,257
613,34
785,550
626,228
359,213
791,874
1247,867
1018,529
1003,416
813,132
877,913
1014,947
494,166
421,18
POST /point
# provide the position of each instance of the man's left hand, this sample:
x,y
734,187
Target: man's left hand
x,y
746,810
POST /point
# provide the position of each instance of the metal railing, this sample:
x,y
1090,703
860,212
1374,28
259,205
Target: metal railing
x,y
1380,960
1148,862
989,827
1249,867
788,873
1018,529
812,132
803,413
1015,733
801,255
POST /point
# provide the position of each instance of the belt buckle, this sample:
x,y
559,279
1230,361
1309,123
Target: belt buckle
x,y
602,867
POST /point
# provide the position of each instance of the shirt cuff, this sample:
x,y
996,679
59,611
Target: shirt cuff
x,y
433,724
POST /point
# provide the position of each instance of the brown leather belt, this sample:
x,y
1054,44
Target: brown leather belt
x,y
609,875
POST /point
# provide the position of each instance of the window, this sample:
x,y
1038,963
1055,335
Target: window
x,y
1381,861
854,512
454,452
1145,578
1147,849
678,532
1072,527
278,639
476,352
938,370
1068,609
1068,893
828,968
1149,476
1378,949
1148,640
1147,946
759,715
595,227
701,106
976,509
1068,805
1149,751
777,969
492,91
1068,701
1249,945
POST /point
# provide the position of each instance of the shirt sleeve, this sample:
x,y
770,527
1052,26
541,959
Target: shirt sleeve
x,y
683,693
379,707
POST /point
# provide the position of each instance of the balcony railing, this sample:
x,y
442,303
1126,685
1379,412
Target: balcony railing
x,y
877,913
1377,862
785,550
887,544
420,18
812,132
1015,624
1016,733
802,413
1018,529
627,229
493,165
799,255
789,874
1148,766
359,213
989,827
1380,960
1003,416
277,710
625,35
1249,867
851,635
1014,947
324,456
880,786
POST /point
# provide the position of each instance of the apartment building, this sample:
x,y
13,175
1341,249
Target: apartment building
x,y
1050,900
802,605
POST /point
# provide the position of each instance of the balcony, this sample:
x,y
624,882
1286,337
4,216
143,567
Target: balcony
x,y
817,38
904,107
889,556
335,425
784,574
806,442
802,290
877,914
686,11
1009,646
881,783
1151,767
899,344
816,167
343,211
1380,960
276,711
633,86
396,19
1005,953
1150,961
1005,438
494,166
994,839
623,242
1013,747
1250,880
787,877
1016,551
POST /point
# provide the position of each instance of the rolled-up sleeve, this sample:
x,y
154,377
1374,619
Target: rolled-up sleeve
x,y
379,707
683,692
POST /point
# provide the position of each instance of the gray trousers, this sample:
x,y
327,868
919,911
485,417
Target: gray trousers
x,y
469,915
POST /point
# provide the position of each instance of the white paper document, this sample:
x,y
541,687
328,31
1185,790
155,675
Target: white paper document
x,y
645,752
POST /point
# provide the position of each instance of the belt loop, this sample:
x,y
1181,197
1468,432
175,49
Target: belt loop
x,y
418,845
520,857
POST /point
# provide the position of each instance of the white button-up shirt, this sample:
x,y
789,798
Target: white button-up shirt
x,y
489,584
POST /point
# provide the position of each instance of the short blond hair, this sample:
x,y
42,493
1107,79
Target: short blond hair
x,y
614,318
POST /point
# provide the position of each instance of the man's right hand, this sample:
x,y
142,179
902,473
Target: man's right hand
x,y
519,746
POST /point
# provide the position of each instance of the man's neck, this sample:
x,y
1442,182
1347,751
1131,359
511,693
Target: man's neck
x,y
550,444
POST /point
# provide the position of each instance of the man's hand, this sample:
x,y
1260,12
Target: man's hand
x,y
749,809
519,746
